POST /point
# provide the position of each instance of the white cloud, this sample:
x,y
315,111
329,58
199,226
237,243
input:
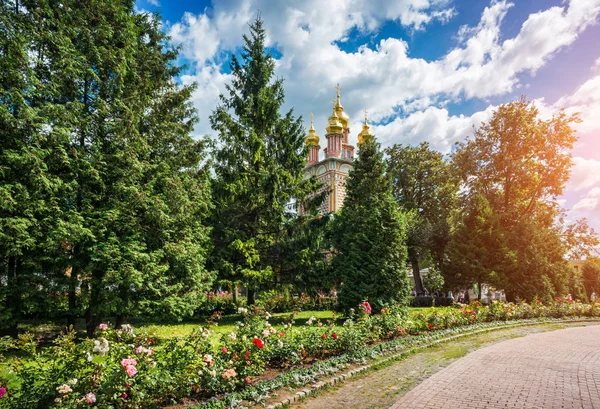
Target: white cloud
x,y
586,102
590,203
383,79
153,2
585,174
434,125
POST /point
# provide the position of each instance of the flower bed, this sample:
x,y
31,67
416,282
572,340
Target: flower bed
x,y
125,369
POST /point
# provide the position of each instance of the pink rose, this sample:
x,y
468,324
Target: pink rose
x,y
2,392
124,395
131,370
224,350
103,326
128,362
248,380
90,398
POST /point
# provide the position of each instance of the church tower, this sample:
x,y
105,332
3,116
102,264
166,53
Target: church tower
x,y
332,171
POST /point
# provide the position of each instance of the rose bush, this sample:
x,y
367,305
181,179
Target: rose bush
x,y
131,369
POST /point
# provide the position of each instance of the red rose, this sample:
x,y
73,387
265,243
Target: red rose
x,y
125,384
430,326
224,350
124,395
324,336
259,342
334,335
281,334
248,380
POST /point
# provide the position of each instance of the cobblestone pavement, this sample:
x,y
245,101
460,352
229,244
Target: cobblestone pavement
x,y
558,369
381,388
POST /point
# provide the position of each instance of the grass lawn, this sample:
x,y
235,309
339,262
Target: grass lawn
x,y
226,325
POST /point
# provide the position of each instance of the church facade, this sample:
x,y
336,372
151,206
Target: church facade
x,y
338,156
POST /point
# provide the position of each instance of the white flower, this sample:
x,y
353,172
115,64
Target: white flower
x,y
280,344
73,381
268,315
285,326
232,336
266,333
127,329
311,320
244,338
242,310
101,346
90,357
64,389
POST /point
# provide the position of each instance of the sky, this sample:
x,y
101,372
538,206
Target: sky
x,y
425,70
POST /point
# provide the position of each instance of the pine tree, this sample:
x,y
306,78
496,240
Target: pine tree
x,y
369,236
258,165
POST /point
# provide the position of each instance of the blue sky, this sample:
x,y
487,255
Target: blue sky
x,y
424,69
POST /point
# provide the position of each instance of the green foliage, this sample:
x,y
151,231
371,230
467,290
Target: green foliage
x,y
102,193
258,165
369,235
434,281
425,185
514,168
591,277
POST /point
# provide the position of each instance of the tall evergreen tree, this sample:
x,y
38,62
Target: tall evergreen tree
x,y
369,236
258,165
133,186
33,154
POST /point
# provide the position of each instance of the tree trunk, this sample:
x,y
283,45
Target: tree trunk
x,y
234,291
13,299
120,321
413,257
72,313
92,316
251,300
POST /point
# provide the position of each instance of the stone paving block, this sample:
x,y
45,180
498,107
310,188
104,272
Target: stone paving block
x,y
558,369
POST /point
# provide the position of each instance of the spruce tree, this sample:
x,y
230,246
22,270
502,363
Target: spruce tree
x,y
258,166
33,153
369,236
123,223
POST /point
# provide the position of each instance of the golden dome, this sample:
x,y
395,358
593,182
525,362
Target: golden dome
x,y
339,109
334,126
366,132
312,138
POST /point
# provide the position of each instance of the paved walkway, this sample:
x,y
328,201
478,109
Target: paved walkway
x,y
558,369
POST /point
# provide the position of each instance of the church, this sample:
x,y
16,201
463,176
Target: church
x,y
332,171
